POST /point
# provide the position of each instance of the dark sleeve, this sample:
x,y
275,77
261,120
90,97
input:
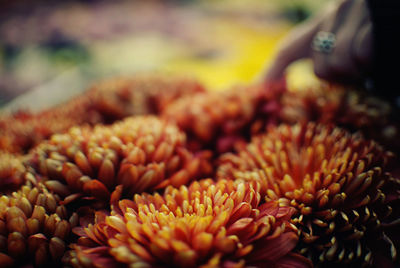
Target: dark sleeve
x,y
385,16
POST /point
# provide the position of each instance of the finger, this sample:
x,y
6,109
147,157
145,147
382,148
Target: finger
x,y
363,47
341,65
354,21
295,46
336,15
333,65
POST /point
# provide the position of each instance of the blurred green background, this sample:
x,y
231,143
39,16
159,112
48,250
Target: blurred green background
x,y
57,49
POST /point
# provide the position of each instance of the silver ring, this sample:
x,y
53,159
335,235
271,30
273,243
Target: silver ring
x,y
324,42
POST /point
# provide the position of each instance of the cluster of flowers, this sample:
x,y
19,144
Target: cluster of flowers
x,y
248,177
104,102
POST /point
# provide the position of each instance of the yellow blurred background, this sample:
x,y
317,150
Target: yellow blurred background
x,y
61,49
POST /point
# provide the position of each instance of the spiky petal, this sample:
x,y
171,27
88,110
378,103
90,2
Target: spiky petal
x,y
338,182
345,107
207,224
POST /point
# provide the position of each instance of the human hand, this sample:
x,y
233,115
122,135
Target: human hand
x,y
348,55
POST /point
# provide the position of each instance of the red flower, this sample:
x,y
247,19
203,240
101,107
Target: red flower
x,y
140,153
204,225
347,108
104,102
338,183
34,228
11,172
219,119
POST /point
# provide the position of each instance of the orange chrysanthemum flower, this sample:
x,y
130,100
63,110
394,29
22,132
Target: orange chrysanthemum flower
x,y
33,227
345,107
139,153
117,98
338,183
11,172
207,224
23,130
104,102
219,119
